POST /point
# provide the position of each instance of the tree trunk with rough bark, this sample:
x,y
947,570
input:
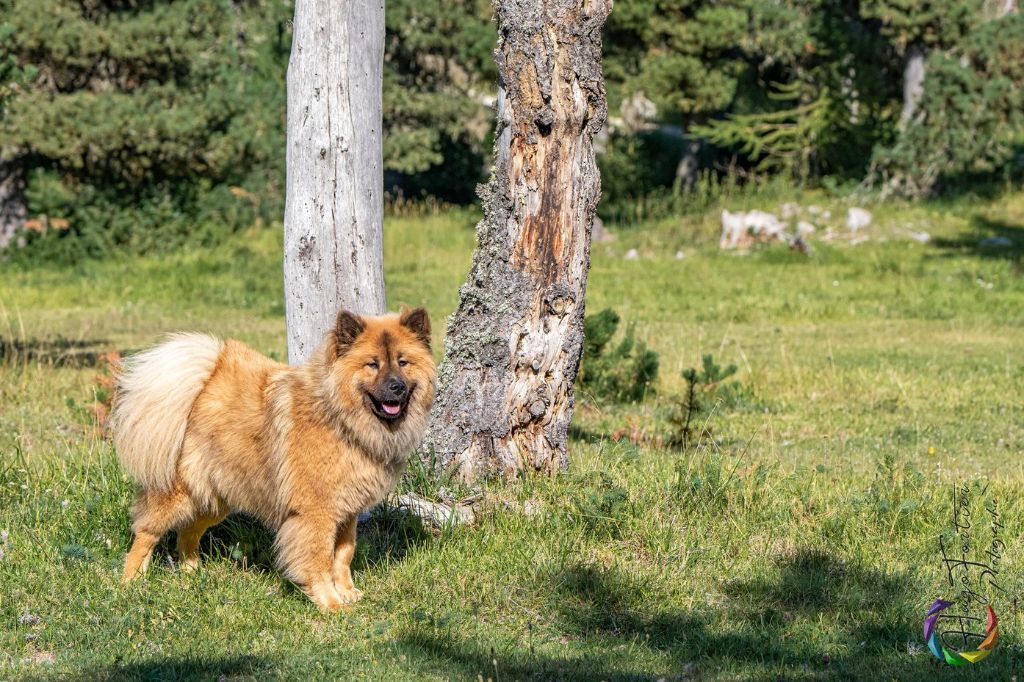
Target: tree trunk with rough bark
x,y
12,203
334,211
513,347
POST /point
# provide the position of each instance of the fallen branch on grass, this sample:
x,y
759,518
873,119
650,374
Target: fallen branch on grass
x,y
434,514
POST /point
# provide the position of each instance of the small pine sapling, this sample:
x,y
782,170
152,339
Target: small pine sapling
x,y
615,373
701,388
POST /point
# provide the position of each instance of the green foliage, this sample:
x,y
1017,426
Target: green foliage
x,y
598,502
711,374
797,88
925,22
140,119
703,388
784,140
12,74
680,53
437,60
897,493
142,126
707,481
972,114
812,89
615,373
636,166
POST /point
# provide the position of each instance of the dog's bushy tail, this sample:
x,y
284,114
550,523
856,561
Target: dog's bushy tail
x,y
155,393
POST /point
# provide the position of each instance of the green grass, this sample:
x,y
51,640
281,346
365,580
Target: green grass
x,y
799,544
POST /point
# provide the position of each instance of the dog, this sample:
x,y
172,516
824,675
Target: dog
x,y
207,427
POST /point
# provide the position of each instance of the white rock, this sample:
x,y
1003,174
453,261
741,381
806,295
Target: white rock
x,y
680,255
733,229
632,254
789,210
920,237
814,209
762,221
743,229
826,215
804,228
857,218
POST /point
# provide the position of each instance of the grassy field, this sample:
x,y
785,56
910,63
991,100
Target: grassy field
x,y
800,543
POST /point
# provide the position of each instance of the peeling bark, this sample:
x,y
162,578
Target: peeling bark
x,y
513,347
334,201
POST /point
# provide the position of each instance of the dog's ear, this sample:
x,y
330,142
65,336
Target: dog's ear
x,y
418,322
346,330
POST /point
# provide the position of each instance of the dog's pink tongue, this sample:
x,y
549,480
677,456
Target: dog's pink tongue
x,y
392,408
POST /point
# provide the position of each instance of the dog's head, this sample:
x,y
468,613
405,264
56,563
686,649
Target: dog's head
x,y
383,372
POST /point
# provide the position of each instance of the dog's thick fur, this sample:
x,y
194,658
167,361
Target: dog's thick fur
x,y
207,427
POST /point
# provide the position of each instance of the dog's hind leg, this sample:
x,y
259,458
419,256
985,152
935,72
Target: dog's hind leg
x,y
189,537
156,512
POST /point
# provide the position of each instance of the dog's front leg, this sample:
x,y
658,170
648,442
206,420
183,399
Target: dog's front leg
x,y
344,550
305,555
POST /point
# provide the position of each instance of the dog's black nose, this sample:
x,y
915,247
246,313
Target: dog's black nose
x,y
395,388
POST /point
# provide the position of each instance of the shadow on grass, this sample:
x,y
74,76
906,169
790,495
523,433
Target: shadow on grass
x,y
179,668
760,633
813,581
242,539
987,238
388,535
59,352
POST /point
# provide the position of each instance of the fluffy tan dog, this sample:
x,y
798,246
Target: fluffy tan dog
x,y
207,427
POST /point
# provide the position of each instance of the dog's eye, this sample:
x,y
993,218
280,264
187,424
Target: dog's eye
x,y
403,362
373,364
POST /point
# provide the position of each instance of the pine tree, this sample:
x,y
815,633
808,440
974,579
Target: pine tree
x,y
971,114
141,118
438,87
917,27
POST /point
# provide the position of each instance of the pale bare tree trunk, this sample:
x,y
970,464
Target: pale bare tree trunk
x,y
334,212
994,9
688,170
913,82
12,203
513,346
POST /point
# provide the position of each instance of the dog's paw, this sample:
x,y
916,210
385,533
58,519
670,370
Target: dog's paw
x,y
326,597
350,595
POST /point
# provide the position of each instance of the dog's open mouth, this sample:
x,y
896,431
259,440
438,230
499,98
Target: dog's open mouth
x,y
387,410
